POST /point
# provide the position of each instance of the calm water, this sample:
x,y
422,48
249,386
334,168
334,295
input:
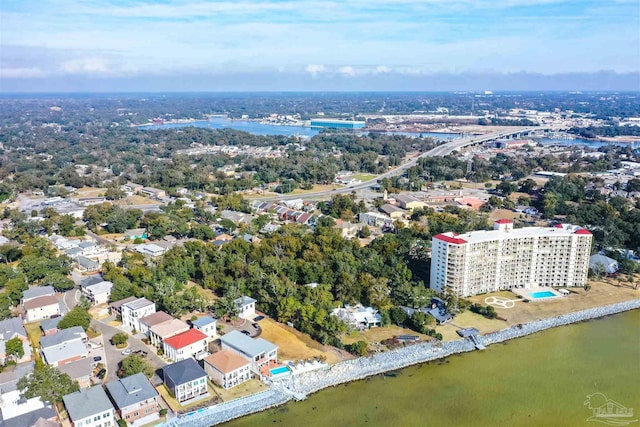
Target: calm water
x,y
263,129
540,380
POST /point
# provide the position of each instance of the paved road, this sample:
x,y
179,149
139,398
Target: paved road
x,y
114,355
441,150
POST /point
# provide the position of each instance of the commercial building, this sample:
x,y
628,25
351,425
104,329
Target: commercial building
x,y
506,258
337,124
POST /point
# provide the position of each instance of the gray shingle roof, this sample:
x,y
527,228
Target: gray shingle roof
x,y
30,418
131,390
249,346
37,291
243,300
138,304
62,336
47,324
91,280
64,351
87,402
183,371
9,328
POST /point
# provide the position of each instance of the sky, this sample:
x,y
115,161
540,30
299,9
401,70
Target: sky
x,y
193,45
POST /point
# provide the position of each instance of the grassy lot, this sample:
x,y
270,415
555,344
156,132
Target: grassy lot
x,y
136,200
294,345
375,335
467,320
90,192
244,389
316,187
173,403
364,176
34,333
605,292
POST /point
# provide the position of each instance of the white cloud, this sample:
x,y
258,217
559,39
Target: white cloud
x,y
21,73
315,69
347,71
383,69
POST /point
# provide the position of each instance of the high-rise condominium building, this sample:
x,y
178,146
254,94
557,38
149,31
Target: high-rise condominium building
x,y
508,258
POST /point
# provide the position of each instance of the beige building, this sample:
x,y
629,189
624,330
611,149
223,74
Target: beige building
x,y
506,258
227,368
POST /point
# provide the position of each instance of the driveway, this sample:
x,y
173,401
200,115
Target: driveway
x,y
114,355
70,299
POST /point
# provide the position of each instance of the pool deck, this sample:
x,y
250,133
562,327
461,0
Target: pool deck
x,y
266,369
527,293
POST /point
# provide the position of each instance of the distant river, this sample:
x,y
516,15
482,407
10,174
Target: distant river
x,y
540,380
258,128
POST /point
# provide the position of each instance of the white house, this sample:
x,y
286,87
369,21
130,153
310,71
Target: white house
x,y
185,345
206,325
41,308
259,352
358,316
186,380
227,368
246,307
90,407
135,310
37,292
98,293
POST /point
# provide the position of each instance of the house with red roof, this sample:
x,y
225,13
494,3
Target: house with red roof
x,y
185,345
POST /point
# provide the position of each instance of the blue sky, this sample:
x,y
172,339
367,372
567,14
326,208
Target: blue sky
x,y
310,40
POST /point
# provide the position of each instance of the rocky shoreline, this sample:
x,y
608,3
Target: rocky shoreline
x,y
357,369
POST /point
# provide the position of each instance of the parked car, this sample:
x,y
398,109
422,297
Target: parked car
x,y
97,358
126,352
141,353
247,333
258,318
101,373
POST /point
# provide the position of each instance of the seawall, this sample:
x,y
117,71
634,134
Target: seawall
x,y
357,369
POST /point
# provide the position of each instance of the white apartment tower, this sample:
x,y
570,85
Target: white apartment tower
x,y
506,258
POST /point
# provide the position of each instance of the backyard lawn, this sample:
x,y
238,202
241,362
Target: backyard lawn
x,y
375,335
244,389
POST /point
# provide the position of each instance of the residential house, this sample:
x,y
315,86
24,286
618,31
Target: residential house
x,y
153,319
37,292
64,347
135,310
227,368
170,328
246,307
186,344
409,202
116,307
186,380
375,219
150,249
20,412
347,229
41,308
13,328
258,351
97,293
358,316
50,326
206,325
80,371
85,264
90,407
134,398
603,264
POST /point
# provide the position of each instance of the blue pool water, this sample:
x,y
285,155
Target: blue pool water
x,y
542,294
280,370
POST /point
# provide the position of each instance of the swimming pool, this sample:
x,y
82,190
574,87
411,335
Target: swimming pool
x,y
542,294
279,370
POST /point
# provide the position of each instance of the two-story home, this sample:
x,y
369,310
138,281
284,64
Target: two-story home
x,y
64,347
259,352
186,380
90,407
134,398
13,328
162,331
185,345
246,307
37,292
135,310
97,293
227,368
153,319
206,325
40,308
